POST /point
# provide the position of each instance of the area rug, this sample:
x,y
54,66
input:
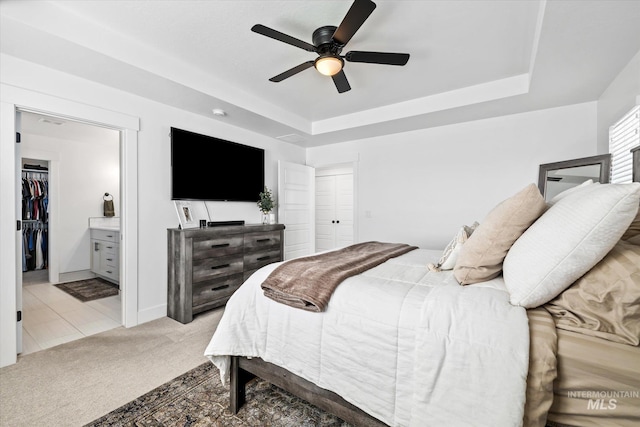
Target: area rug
x,y
197,398
89,290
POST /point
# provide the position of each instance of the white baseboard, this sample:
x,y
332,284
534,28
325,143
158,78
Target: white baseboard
x,y
153,313
73,276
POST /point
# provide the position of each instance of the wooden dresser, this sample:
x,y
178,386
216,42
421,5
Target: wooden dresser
x,y
207,265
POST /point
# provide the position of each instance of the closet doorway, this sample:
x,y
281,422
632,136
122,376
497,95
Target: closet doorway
x,y
66,167
334,207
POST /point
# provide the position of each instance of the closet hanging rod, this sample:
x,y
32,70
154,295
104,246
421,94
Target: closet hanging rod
x,y
33,174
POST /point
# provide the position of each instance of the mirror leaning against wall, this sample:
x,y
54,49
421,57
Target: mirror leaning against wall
x,y
557,177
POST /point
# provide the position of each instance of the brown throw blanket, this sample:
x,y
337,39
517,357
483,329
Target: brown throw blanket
x,y
309,282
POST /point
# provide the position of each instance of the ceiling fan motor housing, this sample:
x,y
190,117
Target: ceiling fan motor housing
x,y
323,41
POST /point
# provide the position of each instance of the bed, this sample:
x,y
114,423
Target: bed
x,y
403,343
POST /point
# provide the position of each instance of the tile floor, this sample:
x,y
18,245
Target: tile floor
x,y
51,317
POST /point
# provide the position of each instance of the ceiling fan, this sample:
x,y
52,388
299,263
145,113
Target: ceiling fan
x,y
328,42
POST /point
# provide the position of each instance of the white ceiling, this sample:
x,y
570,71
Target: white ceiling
x,y
469,59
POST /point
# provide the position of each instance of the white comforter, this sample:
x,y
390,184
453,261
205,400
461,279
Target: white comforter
x,y
410,347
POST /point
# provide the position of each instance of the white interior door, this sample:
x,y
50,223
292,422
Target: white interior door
x,y
296,208
334,209
325,213
344,210
18,208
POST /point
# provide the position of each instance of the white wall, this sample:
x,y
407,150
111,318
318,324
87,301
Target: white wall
x,y
622,94
155,208
420,187
87,169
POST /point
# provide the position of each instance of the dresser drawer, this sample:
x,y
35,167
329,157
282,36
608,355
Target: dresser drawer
x,y
257,241
215,291
221,246
210,268
256,260
110,236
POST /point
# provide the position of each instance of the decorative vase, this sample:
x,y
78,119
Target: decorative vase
x,y
265,218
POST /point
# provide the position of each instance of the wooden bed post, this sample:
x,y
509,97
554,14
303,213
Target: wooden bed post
x,y
238,381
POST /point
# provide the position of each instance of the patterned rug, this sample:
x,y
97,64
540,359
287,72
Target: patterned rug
x,y
89,290
197,398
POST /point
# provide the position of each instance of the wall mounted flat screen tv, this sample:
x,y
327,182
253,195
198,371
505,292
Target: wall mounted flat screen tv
x,y
208,168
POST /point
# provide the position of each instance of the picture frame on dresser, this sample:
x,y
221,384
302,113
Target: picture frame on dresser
x,y
190,212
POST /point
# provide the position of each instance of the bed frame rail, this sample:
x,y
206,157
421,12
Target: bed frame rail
x,y
244,369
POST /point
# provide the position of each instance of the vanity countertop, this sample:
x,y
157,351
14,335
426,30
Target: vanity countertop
x,y
104,223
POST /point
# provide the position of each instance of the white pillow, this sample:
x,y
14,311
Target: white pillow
x,y
567,241
450,254
571,190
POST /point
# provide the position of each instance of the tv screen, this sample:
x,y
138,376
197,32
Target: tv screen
x,y
208,168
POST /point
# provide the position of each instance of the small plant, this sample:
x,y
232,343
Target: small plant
x,y
266,203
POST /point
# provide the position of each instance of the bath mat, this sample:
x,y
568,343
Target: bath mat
x,y
89,290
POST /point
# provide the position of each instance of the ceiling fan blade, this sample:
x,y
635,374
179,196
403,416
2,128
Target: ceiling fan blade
x,y
270,32
353,20
377,57
341,82
292,71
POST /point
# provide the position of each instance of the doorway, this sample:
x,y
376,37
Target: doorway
x,y
14,100
58,207
334,207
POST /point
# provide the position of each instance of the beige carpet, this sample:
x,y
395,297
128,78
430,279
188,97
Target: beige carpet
x,y
75,383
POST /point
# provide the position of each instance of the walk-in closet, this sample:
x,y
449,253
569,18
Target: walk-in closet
x,y
35,201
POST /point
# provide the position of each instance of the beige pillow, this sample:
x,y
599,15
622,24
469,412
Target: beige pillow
x,y
481,256
634,240
634,228
605,302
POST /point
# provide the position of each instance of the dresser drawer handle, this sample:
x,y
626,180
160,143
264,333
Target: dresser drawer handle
x,y
219,288
221,245
109,259
262,258
263,240
109,271
109,235
216,267
109,247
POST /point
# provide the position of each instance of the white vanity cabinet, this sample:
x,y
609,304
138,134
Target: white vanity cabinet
x,y
105,254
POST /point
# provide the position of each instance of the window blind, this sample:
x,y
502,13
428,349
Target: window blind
x,y
623,136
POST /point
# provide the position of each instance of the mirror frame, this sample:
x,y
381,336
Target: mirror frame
x,y
635,152
604,160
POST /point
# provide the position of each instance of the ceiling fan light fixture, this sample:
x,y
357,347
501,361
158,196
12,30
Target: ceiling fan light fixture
x,y
329,65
